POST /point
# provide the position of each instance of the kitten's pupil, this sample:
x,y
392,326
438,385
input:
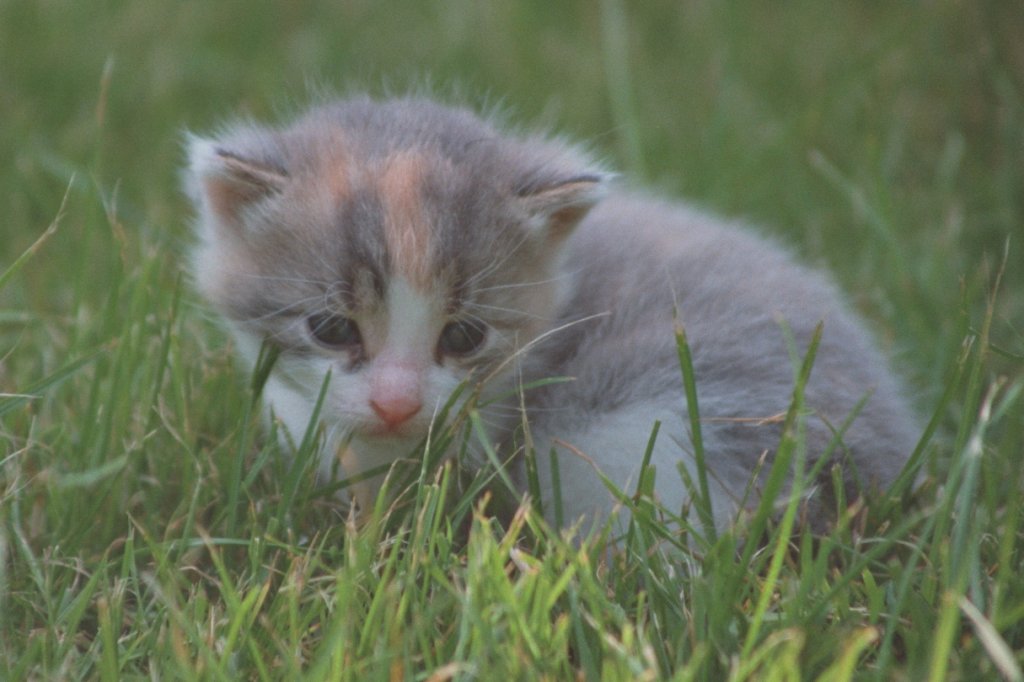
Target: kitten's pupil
x,y
334,331
461,338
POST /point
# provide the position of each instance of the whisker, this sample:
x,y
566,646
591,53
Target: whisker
x,y
541,337
520,285
282,278
497,264
285,309
501,309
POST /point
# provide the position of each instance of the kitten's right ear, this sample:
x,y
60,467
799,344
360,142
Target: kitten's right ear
x,y
225,182
556,206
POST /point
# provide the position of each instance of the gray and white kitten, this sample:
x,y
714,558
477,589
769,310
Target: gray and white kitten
x,y
405,246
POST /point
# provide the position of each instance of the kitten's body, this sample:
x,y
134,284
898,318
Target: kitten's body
x,y
404,246
737,296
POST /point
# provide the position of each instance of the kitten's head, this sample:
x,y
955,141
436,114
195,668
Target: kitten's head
x,y
400,245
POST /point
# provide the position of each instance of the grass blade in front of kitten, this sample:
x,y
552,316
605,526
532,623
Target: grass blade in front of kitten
x,y
791,448
264,364
702,501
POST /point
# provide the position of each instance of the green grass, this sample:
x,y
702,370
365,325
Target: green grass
x,y
148,528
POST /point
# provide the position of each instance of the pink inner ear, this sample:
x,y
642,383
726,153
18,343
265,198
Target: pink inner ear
x,y
563,205
227,197
237,182
564,219
395,392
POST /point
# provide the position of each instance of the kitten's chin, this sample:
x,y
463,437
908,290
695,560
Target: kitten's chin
x,y
385,433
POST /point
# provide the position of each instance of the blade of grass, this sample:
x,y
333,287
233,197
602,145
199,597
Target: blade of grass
x,y
791,447
945,633
998,649
10,403
305,454
703,501
615,50
557,502
845,666
28,253
109,667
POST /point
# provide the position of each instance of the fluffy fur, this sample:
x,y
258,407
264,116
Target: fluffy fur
x,y
406,246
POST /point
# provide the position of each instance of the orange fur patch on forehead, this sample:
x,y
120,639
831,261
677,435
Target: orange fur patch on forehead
x,y
340,166
339,184
334,170
406,230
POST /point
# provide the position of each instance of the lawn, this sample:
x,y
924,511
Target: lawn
x,y
148,526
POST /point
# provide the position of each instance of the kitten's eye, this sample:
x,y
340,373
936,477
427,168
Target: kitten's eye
x,y
334,331
461,338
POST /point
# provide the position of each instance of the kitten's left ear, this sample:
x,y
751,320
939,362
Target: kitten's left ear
x,y
556,207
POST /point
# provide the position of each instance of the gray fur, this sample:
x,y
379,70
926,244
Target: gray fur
x,y
737,296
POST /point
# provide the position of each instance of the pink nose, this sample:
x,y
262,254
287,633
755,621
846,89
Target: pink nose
x,y
395,410
395,387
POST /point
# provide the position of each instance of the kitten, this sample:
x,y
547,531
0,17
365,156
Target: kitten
x,y
404,246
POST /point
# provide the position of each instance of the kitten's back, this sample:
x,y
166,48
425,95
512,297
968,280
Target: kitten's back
x,y
635,263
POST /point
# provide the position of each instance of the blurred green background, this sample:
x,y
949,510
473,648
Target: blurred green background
x,y
884,140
